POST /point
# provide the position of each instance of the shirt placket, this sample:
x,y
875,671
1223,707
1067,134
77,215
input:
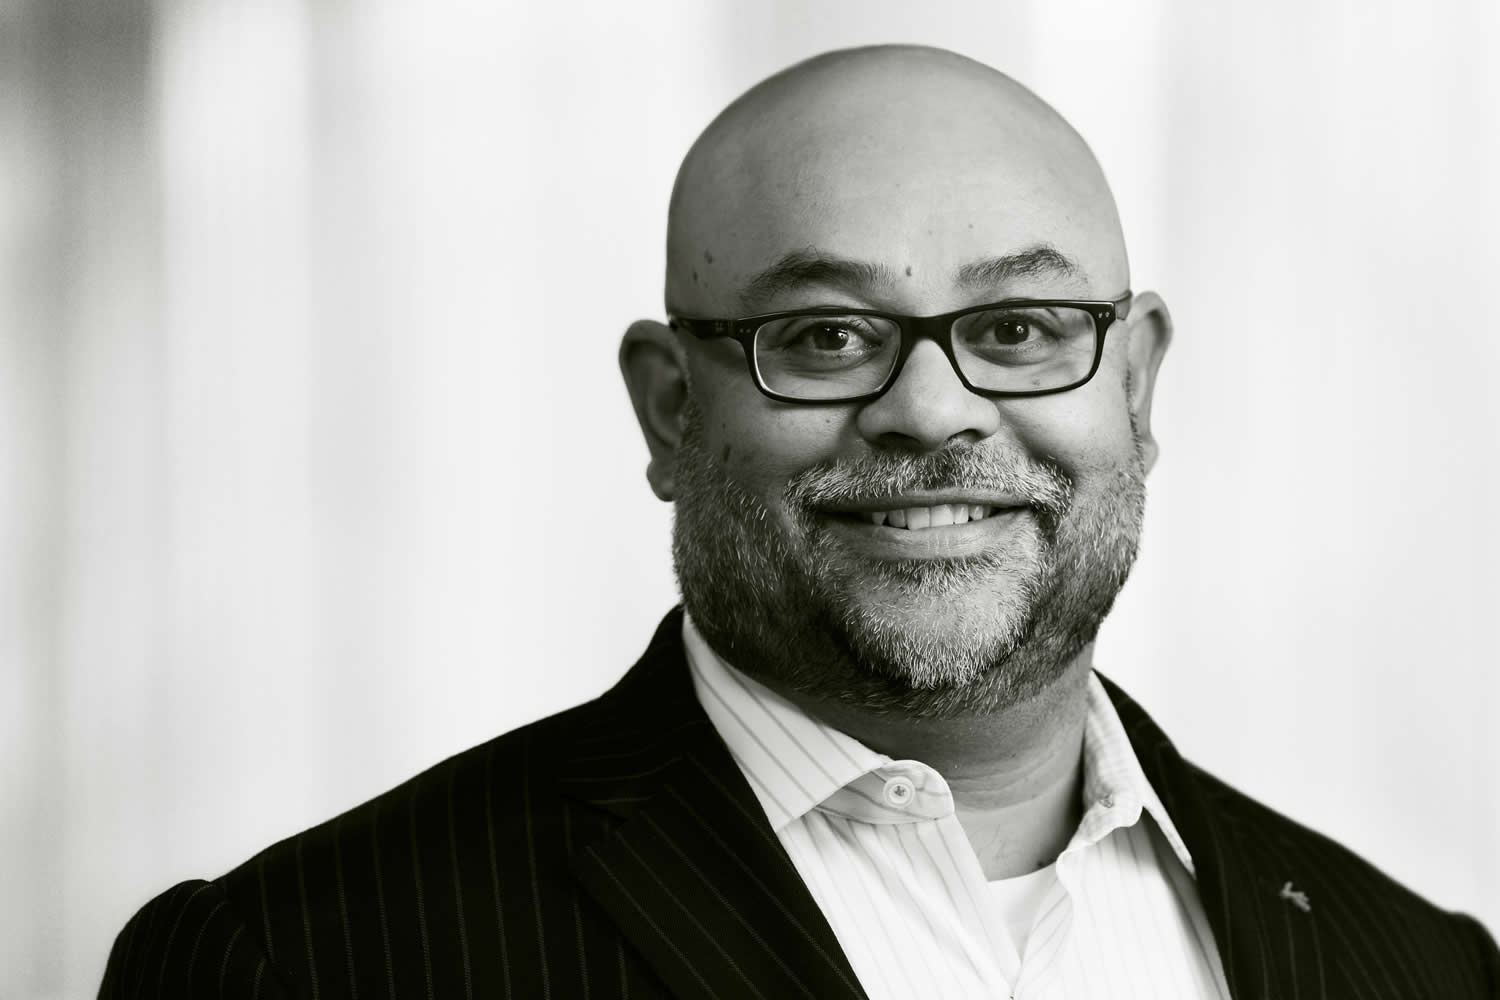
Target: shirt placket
x,y
997,954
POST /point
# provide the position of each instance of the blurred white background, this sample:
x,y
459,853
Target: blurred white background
x,y
315,465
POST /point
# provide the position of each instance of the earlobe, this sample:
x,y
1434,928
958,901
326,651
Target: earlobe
x,y
654,368
659,475
1150,331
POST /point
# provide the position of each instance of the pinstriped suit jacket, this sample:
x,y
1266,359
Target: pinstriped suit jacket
x,y
615,850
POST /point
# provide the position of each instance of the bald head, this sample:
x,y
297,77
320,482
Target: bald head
x,y
915,162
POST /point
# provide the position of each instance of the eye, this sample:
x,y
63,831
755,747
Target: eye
x,y
1025,347
817,355
824,335
828,337
1009,331
1014,334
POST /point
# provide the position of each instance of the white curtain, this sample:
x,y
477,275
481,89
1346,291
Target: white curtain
x,y
315,467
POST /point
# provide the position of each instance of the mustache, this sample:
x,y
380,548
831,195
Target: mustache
x,y
1039,484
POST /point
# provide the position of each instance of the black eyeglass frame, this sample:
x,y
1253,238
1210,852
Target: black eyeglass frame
x,y
938,329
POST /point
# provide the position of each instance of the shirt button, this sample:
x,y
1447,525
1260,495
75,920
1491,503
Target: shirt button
x,y
1107,802
899,792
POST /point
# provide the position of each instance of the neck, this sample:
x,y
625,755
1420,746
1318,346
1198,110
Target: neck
x,y
1015,774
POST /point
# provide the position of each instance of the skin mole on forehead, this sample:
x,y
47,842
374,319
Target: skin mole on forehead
x,y
908,270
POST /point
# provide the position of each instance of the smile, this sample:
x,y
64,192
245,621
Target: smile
x,y
925,518
927,527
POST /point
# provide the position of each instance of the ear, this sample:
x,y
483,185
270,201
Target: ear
x,y
655,370
1150,331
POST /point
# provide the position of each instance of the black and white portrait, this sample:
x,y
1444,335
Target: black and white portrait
x,y
725,500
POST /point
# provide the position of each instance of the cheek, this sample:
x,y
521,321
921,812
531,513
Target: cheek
x,y
763,451
760,444
1083,431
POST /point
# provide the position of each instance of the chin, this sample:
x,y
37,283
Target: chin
x,y
938,637
976,594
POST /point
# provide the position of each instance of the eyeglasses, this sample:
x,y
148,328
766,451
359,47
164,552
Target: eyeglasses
x,y
1017,347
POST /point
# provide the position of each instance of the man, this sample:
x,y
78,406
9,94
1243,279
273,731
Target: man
x,y
902,405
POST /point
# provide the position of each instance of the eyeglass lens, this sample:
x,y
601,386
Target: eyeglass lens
x,y
1010,349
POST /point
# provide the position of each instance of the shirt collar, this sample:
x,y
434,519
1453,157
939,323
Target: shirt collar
x,y
795,763
1113,778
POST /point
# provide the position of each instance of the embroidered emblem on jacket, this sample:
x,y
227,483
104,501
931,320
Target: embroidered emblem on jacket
x,y
1296,898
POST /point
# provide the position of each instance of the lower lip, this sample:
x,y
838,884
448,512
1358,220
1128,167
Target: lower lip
x,y
947,541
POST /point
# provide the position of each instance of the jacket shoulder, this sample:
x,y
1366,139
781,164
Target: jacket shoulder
x,y
464,847
1382,916
189,942
458,881
1296,845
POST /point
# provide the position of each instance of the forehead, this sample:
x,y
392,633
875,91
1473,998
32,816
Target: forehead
x,y
919,187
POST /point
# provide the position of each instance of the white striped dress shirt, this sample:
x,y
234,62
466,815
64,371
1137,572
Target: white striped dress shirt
x,y
880,847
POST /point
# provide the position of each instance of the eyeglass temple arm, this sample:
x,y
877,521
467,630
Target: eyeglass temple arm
x,y
703,329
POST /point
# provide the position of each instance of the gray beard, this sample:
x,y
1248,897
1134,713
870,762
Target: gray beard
x,y
797,611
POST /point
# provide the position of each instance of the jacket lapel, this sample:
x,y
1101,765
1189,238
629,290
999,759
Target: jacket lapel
x,y
1269,945
694,875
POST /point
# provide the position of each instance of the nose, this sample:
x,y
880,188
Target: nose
x,y
927,408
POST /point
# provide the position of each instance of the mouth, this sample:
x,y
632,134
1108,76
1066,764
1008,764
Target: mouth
x,y
927,527
922,518
923,513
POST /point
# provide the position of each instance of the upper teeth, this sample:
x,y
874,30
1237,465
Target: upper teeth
x,y
938,515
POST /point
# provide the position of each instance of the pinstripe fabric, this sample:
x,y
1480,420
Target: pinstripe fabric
x,y
616,850
908,899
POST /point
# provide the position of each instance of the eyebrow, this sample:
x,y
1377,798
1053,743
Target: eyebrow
x,y
812,266
1040,260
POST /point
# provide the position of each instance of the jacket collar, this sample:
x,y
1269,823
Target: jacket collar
x,y
694,875
697,879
